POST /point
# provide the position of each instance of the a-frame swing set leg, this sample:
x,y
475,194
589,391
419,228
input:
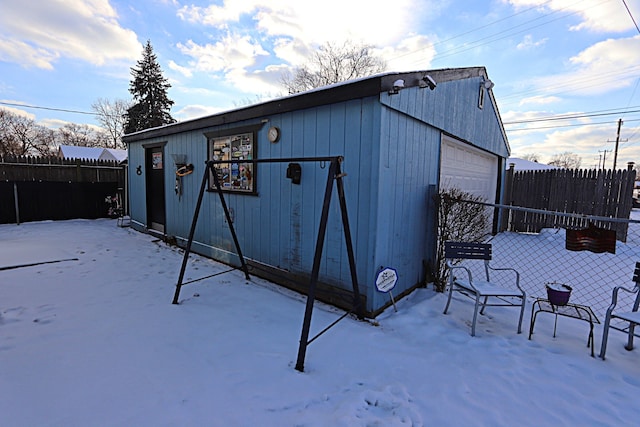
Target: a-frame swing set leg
x,y
334,174
194,222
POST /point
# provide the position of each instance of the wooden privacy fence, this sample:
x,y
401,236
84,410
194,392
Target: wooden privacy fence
x,y
599,193
52,188
27,168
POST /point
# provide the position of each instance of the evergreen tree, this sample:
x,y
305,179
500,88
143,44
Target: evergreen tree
x,y
150,106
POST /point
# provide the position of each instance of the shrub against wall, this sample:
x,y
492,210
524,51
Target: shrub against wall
x,y
464,222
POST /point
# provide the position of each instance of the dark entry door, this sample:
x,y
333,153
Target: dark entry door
x,y
155,188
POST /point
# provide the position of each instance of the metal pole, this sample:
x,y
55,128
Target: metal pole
x,y
15,200
306,325
192,231
393,302
357,307
231,228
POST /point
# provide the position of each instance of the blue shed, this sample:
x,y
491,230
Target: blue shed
x,y
402,137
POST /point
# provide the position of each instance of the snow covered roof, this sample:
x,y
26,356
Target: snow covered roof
x,y
92,153
324,95
526,165
74,152
119,155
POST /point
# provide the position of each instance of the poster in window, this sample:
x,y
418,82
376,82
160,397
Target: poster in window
x,y
156,160
236,175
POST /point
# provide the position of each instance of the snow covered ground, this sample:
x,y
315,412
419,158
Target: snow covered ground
x,y
96,342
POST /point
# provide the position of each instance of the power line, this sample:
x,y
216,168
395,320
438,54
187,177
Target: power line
x,y
477,29
630,99
576,84
566,126
574,116
64,110
631,15
476,44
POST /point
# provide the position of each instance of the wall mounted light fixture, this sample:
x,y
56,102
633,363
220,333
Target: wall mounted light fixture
x,y
397,85
487,84
427,81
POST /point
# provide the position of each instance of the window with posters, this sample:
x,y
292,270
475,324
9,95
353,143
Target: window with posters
x,y
237,176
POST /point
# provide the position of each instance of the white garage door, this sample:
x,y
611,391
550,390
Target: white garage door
x,y
468,169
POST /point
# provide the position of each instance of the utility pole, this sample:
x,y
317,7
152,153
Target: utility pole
x,y
615,152
604,157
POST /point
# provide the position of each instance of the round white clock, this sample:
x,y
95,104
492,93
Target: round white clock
x,y
274,134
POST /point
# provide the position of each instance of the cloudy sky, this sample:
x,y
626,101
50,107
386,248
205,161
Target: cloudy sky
x,y
549,59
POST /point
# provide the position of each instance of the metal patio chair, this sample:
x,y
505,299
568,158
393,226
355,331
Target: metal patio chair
x,y
484,291
631,318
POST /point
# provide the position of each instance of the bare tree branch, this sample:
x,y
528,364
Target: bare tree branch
x,y
566,160
333,64
112,117
21,136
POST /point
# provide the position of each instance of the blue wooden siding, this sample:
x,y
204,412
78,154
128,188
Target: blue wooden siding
x,y
391,149
279,226
137,187
453,108
410,145
408,167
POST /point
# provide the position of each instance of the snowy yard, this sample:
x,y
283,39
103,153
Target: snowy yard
x,y
96,342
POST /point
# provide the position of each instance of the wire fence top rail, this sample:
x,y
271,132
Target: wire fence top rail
x,y
543,257
555,213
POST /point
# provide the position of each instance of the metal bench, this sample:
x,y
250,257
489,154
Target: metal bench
x,y
630,318
485,292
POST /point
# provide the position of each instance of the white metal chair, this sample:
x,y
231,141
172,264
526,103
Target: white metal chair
x,y
485,292
631,318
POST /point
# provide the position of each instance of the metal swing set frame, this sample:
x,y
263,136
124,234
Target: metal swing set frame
x,y
334,174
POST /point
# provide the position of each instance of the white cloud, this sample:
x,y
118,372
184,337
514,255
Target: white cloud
x,y
291,30
214,15
589,142
528,43
15,110
540,100
86,30
237,58
182,70
260,81
48,123
608,65
194,111
230,53
292,51
257,40
411,53
12,50
332,20
595,15
593,142
57,123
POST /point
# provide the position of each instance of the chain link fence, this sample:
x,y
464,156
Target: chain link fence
x,y
543,257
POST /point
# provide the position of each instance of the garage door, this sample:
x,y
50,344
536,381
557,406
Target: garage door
x,y
469,169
